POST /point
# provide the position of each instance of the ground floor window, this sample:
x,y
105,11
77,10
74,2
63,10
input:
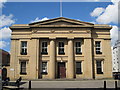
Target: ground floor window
x,y
44,67
99,67
23,67
78,68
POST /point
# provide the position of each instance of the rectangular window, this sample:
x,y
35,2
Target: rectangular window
x,y
98,47
78,68
78,48
61,48
23,47
23,67
44,67
99,67
44,48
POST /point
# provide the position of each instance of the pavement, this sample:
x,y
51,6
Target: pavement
x,y
65,85
71,84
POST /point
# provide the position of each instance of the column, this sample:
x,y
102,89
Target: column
x,y
70,59
88,68
52,59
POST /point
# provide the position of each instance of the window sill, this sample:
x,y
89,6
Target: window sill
x,y
23,54
78,53
100,73
44,73
23,73
61,53
78,72
99,53
44,53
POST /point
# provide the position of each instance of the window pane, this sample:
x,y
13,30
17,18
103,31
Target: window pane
x,y
99,67
42,44
24,48
61,48
45,44
78,50
98,47
78,47
78,44
97,43
62,44
24,43
78,68
23,67
44,66
44,47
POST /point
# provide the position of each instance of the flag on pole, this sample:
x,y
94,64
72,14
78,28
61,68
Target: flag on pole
x,y
60,8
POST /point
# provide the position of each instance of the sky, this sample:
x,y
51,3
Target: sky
x,y
26,12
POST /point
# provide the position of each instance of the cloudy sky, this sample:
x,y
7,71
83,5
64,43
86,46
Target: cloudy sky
x,y
92,11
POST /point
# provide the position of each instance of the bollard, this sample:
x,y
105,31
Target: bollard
x,y
104,85
115,85
30,84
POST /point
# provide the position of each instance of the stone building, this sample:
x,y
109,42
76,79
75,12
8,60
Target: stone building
x,y
115,57
5,63
60,48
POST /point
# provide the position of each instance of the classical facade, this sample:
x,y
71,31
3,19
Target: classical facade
x,y
60,48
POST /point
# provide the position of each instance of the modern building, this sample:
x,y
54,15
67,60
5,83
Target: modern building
x,y
60,48
115,57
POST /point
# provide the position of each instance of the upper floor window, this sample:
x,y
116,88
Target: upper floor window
x,y
24,48
44,48
61,48
78,48
23,67
99,67
98,47
78,68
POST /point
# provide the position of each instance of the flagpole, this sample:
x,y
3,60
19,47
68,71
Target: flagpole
x,y
60,8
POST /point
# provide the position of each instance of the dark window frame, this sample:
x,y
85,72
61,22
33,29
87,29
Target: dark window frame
x,y
23,47
98,47
44,68
61,49
44,48
79,69
78,49
23,68
99,67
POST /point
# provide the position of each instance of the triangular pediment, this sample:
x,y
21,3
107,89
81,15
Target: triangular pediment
x,y
61,21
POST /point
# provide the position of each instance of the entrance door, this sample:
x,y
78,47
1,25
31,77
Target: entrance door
x,y
61,70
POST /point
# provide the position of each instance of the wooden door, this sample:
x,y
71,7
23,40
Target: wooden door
x,y
61,70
